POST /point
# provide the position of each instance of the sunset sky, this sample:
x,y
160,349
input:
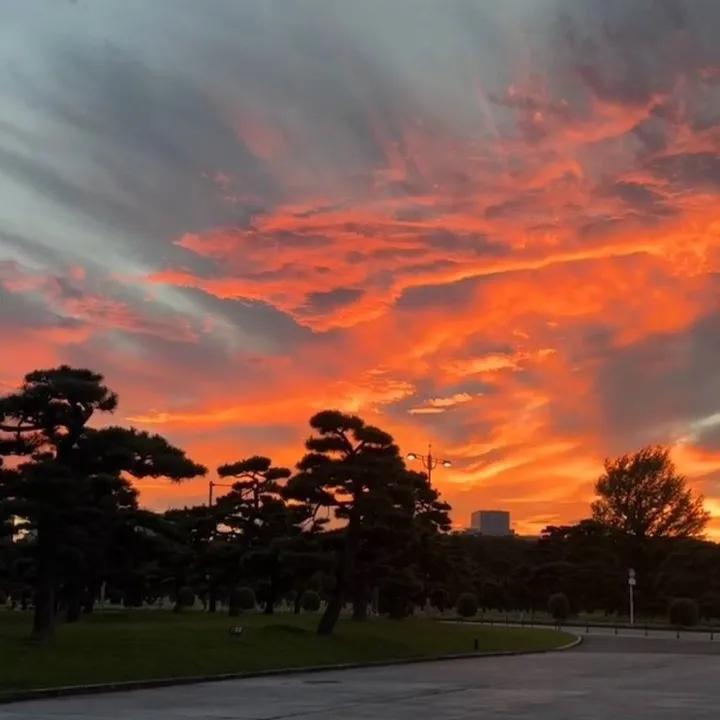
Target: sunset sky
x,y
489,225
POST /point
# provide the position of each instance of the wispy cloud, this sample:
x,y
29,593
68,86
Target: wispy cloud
x,y
489,225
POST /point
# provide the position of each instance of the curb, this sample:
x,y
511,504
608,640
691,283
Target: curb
x,y
128,685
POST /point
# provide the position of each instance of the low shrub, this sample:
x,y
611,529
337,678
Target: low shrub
x,y
683,612
242,598
467,605
310,601
559,607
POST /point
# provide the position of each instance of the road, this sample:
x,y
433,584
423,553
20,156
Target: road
x,y
606,678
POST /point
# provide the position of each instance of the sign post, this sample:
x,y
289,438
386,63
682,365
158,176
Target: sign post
x,y
632,581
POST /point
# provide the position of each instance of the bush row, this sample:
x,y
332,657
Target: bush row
x,y
682,612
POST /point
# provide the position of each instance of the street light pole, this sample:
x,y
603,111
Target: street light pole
x,y
211,486
632,581
429,461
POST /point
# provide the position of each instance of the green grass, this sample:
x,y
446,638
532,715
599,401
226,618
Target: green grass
x,y
138,645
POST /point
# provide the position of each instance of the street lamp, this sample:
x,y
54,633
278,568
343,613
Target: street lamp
x,y
632,582
211,486
429,461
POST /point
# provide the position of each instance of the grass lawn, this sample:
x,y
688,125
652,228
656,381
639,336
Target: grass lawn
x,y
155,644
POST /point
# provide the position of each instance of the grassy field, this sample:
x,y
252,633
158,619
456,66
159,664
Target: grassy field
x,y
154,644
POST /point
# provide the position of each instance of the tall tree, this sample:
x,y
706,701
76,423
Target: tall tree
x,y
69,471
256,511
643,496
349,467
406,551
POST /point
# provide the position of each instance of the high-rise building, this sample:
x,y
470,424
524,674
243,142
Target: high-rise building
x,y
491,522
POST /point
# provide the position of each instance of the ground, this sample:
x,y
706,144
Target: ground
x,y
607,678
138,645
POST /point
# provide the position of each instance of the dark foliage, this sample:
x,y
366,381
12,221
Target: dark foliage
x,y
467,605
310,601
351,527
683,612
559,607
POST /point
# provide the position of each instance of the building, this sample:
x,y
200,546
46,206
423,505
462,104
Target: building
x,y
491,522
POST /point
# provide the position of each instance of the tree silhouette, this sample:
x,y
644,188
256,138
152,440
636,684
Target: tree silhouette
x,y
256,511
71,474
351,468
643,496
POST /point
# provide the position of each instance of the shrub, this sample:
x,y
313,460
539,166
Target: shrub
x,y
185,598
242,598
467,605
684,612
310,601
710,606
439,599
559,607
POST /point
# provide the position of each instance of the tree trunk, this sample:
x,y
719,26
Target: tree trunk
x,y
43,628
212,598
360,599
345,569
92,591
330,616
269,608
72,601
297,606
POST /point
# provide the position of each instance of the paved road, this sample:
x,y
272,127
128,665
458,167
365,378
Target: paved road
x,y
605,679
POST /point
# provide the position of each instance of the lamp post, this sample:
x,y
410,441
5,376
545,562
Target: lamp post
x,y
429,461
632,581
211,486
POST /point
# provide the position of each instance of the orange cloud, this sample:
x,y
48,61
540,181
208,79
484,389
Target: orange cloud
x,y
519,266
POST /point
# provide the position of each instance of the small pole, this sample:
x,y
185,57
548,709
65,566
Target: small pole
x,y
211,485
476,644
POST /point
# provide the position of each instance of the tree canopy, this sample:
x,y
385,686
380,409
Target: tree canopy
x,y
642,495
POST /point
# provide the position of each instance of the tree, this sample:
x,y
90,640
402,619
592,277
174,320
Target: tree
x,y
349,467
256,511
406,553
69,473
642,496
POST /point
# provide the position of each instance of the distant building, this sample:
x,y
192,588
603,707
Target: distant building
x,y
491,522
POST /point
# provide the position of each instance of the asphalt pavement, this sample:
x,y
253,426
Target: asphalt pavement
x,y
606,678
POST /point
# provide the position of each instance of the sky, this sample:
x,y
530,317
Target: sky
x,y
490,226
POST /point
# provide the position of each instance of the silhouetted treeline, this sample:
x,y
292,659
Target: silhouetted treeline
x,y
72,533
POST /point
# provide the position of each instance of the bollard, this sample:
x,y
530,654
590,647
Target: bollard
x,y
587,628
646,632
615,628
677,634
712,633
476,645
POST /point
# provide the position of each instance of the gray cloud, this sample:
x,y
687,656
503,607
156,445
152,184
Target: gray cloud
x,y
666,381
126,126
